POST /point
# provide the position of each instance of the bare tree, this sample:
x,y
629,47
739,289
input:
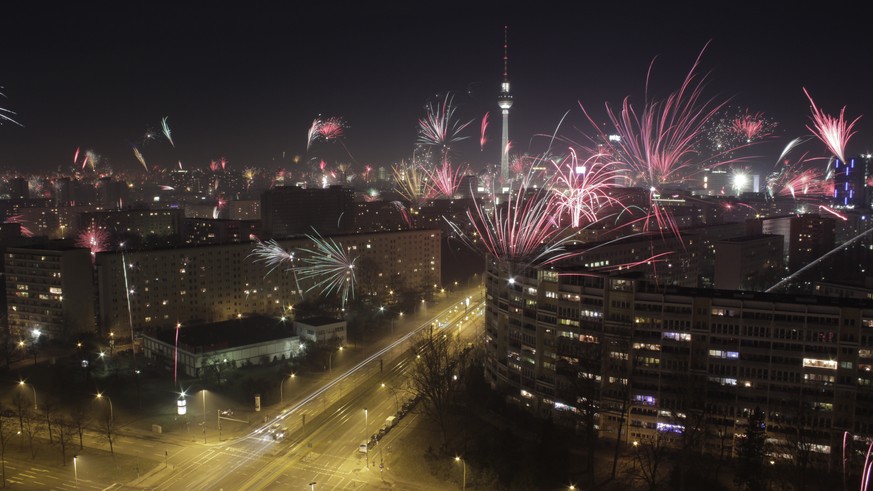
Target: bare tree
x,y
107,427
31,425
434,376
65,430
80,420
7,429
648,455
48,408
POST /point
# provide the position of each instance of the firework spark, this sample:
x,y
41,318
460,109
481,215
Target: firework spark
x,y
272,255
76,157
439,128
404,213
166,129
834,132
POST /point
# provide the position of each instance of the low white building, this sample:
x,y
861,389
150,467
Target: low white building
x,y
322,330
228,344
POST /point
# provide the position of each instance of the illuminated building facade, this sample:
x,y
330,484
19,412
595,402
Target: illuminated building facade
x,y
49,289
655,360
213,283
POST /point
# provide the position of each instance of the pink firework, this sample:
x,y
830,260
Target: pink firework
x,y
327,129
834,132
76,157
798,180
444,181
94,238
751,126
582,188
522,230
223,162
482,139
658,145
439,127
20,221
214,166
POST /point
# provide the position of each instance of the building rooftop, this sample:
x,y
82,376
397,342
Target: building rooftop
x,y
226,334
750,238
318,321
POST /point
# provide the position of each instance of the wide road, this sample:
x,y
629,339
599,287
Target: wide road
x,y
324,449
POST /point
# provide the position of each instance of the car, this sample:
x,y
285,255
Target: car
x,y
363,447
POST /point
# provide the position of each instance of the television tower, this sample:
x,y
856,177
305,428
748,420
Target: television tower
x,y
504,100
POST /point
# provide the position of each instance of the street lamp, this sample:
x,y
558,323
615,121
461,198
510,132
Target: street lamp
x,y
101,396
76,469
464,463
312,486
281,385
22,383
366,425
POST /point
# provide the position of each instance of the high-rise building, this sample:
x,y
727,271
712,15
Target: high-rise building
x,y
849,182
751,262
291,210
49,291
654,360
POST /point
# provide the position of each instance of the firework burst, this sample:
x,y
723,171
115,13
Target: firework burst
x,y
409,182
751,127
25,231
834,132
272,255
325,129
94,238
582,188
330,266
521,231
439,128
444,181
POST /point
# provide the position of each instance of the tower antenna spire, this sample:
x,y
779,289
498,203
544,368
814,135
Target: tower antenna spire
x,y
504,101
505,53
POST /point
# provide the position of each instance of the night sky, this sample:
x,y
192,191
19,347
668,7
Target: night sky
x,y
245,82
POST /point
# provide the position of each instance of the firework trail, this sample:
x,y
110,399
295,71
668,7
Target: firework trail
x,y
788,148
439,128
167,188
409,182
139,157
25,231
166,129
404,213
76,157
659,145
482,139
330,266
4,114
214,166
94,238
582,188
128,291
834,132
326,129
444,181
176,354
842,246
272,255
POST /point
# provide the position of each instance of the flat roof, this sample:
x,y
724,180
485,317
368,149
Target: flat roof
x,y
226,334
319,321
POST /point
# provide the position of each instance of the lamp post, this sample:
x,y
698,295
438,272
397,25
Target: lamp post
x,y
76,469
281,385
366,425
312,486
101,396
22,383
204,414
464,463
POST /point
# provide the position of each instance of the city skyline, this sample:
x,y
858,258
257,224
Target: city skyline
x,y
247,87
